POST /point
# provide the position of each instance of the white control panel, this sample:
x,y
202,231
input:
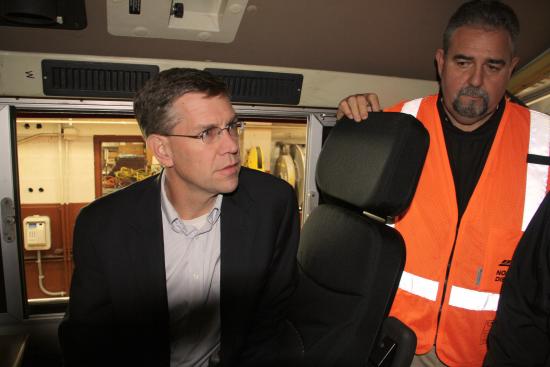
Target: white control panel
x,y
37,232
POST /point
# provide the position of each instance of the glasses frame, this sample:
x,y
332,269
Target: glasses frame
x,y
215,132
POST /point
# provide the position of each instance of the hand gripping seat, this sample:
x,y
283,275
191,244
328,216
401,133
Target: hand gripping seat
x,y
350,261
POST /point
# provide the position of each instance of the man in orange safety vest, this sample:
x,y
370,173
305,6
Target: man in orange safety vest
x,y
485,174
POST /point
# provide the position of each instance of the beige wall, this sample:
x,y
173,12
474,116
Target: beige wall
x,y
320,88
64,168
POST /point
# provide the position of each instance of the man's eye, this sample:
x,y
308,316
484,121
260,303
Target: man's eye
x,y
207,132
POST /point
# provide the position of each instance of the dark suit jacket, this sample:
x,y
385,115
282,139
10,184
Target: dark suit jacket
x,y
520,334
118,309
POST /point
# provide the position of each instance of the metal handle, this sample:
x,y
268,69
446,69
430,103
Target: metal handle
x,y
7,211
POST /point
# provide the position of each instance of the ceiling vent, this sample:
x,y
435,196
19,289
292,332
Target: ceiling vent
x,y
261,86
194,20
94,79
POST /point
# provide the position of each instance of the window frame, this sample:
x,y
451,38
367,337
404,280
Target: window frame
x,y
19,308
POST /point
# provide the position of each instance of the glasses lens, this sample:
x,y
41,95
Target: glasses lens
x,y
210,135
234,129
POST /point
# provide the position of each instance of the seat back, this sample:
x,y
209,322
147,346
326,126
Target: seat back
x,y
350,261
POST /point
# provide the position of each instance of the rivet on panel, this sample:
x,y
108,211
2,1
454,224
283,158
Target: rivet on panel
x,y
203,36
140,31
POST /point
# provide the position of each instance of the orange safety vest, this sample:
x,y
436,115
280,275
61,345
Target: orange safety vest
x,y
480,247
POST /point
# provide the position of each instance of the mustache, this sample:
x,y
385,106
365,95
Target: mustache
x,y
473,92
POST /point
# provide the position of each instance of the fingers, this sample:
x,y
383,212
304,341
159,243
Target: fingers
x,y
373,103
358,106
353,107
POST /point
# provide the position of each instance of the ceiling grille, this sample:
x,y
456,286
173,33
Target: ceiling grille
x,y
94,79
261,87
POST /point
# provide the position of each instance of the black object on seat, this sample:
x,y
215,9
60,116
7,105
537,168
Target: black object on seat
x,y
351,262
12,348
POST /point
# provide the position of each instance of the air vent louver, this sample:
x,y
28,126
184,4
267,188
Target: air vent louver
x,y
261,87
94,79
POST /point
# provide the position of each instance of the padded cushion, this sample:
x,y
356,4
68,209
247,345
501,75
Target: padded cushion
x,y
338,245
350,267
358,162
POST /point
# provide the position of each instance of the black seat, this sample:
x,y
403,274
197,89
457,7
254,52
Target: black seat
x,y
350,260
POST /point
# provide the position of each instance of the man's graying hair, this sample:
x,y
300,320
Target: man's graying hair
x,y
490,14
153,102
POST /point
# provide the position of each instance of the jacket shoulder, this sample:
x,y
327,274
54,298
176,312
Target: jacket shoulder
x,y
123,199
261,184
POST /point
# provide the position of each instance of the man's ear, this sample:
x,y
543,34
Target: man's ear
x,y
440,60
160,146
513,65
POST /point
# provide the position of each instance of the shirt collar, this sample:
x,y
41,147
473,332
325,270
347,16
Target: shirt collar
x,y
173,218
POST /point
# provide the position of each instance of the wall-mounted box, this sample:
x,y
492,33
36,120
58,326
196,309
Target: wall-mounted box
x,y
37,233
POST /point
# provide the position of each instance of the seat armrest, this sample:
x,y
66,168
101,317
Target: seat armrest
x,y
395,345
12,348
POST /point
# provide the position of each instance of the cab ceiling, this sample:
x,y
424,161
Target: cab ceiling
x,y
381,37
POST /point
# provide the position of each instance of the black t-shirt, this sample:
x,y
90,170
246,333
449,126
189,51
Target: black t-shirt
x,y
468,152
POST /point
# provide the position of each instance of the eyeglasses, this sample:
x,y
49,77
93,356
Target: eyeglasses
x,y
210,135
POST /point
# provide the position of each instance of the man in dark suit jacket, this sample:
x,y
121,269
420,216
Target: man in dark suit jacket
x,y
124,307
520,335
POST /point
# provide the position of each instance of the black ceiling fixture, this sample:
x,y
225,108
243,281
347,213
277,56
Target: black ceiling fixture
x,y
61,14
261,86
94,79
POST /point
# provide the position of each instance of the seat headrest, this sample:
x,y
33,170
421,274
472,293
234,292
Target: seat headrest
x,y
374,165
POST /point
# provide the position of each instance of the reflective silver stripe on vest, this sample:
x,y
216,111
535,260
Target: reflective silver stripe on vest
x,y
422,287
460,297
411,107
473,300
537,174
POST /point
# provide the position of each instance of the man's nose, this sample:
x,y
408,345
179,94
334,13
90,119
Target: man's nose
x,y
227,142
476,76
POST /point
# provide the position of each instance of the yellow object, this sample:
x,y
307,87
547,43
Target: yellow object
x,y
255,159
285,168
299,157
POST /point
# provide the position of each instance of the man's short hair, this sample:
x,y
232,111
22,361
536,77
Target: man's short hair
x,y
153,102
490,14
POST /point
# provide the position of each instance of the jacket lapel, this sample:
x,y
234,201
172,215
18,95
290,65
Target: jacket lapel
x,y
237,234
238,226
145,248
